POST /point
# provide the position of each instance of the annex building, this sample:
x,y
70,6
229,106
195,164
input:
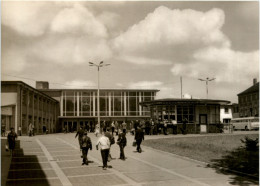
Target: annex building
x,y
203,115
22,104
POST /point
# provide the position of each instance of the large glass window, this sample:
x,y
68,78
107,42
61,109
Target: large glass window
x,y
85,106
103,105
117,106
185,111
132,106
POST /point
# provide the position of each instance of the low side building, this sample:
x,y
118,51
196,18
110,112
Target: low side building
x,y
203,115
22,104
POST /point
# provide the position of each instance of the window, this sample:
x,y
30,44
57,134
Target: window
x,y
226,110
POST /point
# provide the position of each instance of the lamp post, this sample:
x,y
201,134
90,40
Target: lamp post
x,y
207,80
101,64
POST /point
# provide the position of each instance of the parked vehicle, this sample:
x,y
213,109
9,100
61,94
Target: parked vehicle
x,y
247,123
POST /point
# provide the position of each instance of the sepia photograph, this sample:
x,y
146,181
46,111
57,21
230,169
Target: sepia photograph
x,y
129,93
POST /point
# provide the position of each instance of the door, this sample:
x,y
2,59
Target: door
x,y
203,123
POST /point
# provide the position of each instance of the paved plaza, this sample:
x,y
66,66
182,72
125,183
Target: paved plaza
x,y
55,159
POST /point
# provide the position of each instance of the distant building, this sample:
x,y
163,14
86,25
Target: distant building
x,y
22,104
203,115
248,101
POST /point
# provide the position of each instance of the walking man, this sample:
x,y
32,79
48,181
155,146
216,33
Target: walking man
x,y
80,133
111,140
86,144
104,144
121,141
113,127
11,140
139,136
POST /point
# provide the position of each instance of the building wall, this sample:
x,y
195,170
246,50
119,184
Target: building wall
x,y
30,106
225,113
248,104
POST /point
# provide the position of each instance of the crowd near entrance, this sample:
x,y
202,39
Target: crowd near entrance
x,y
74,125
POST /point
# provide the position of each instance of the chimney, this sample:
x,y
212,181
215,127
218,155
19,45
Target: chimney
x,y
42,85
254,81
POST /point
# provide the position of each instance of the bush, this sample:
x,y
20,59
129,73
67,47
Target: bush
x,y
244,159
250,144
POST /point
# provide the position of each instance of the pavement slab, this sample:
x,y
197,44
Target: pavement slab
x,y
55,159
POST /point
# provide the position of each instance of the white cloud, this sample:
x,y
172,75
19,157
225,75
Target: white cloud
x,y
30,19
192,41
174,27
109,19
78,20
70,50
144,60
224,64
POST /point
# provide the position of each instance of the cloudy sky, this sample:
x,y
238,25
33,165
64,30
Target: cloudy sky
x,y
149,45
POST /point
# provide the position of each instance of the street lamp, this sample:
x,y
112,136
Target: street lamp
x,y
101,64
207,80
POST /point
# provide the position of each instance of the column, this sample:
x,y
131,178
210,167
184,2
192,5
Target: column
x,y
77,103
94,104
109,103
124,103
140,100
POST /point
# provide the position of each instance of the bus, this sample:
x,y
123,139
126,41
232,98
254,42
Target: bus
x,y
247,123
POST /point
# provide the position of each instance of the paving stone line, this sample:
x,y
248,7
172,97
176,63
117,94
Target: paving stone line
x,y
64,180
119,174
170,171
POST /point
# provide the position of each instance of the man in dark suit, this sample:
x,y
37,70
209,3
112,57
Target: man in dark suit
x,y
139,136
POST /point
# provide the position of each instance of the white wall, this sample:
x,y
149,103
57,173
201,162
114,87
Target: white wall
x,y
224,115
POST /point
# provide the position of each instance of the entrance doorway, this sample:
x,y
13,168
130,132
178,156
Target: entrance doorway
x,y
203,123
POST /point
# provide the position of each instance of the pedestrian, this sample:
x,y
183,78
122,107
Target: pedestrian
x,y
11,140
184,126
30,129
19,131
104,144
124,127
165,127
86,145
80,134
116,127
97,130
113,127
122,141
3,131
152,127
139,136
111,140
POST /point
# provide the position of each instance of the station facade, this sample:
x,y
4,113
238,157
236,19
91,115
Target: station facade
x,y
78,107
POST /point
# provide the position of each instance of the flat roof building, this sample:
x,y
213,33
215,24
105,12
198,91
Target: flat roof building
x,y
22,104
203,115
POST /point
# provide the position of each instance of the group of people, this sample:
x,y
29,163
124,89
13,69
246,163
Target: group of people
x,y
105,141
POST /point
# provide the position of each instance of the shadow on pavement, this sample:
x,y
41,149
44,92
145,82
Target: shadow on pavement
x,y
243,165
25,169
